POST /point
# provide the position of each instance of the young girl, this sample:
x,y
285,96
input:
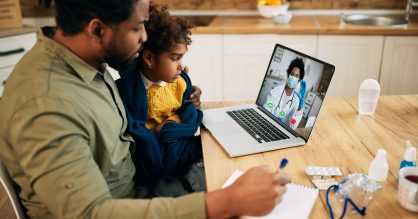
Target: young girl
x,y
160,119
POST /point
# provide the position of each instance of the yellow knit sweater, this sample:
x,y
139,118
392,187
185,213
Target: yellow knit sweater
x,y
163,102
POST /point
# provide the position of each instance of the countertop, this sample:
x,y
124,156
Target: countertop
x,y
16,31
253,24
300,24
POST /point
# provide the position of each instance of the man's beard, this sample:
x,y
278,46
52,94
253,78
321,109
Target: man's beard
x,y
121,65
117,61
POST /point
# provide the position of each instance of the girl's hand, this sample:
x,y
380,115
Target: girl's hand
x,y
195,96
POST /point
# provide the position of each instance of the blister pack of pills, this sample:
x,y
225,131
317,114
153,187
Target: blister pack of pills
x,y
323,177
322,171
323,182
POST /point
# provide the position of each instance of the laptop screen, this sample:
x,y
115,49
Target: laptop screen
x,y
294,88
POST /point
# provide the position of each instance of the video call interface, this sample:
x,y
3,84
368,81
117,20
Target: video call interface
x,y
294,89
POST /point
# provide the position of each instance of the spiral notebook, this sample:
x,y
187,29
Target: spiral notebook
x,y
297,202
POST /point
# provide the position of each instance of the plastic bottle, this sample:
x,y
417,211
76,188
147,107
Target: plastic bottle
x,y
379,168
369,92
409,157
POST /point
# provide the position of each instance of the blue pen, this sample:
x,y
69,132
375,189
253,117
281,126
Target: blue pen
x,y
283,163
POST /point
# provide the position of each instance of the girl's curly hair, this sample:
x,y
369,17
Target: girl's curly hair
x,y
164,31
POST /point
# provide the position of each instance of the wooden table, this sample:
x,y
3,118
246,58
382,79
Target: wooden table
x,y
340,138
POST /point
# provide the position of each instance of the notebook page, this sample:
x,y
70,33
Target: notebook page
x,y
297,202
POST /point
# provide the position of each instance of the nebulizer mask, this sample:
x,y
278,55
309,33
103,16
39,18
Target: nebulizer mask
x,y
351,196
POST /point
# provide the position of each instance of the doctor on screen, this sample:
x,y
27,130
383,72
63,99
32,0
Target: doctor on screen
x,y
282,100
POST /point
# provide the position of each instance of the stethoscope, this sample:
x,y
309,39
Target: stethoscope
x,y
286,107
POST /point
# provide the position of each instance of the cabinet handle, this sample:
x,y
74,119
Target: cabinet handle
x,y
12,51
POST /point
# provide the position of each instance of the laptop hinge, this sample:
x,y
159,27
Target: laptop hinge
x,y
293,132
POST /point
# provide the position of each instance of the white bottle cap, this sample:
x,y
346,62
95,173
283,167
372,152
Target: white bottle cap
x,y
381,155
408,143
410,152
378,168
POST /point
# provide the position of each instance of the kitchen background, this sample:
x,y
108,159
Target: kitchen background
x,y
30,8
236,49
235,44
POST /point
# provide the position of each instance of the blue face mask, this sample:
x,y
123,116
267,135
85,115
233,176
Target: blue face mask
x,y
292,81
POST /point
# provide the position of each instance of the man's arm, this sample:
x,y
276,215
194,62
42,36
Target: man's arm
x,y
52,147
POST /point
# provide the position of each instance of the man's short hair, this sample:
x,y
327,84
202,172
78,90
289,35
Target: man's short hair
x,y
73,15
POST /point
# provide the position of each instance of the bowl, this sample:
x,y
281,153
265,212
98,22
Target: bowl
x,y
269,10
282,17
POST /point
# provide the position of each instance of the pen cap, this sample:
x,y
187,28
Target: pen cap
x,y
410,153
408,143
381,156
379,168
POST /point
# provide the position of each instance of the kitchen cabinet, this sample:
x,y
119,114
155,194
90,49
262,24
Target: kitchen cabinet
x,y
247,58
356,58
399,66
205,61
12,49
231,67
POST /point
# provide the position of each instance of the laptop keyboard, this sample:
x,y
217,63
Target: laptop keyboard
x,y
257,126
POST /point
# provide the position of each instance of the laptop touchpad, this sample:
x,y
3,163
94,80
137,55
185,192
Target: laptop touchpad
x,y
228,128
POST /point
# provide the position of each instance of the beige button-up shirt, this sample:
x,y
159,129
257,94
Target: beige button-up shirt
x,y
63,139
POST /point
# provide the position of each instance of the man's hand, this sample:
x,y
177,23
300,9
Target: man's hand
x,y
257,185
196,92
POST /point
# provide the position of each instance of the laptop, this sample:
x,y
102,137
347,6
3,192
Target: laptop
x,y
284,113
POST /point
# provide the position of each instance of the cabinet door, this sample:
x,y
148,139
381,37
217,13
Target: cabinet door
x,y
400,66
205,59
356,58
243,77
262,44
246,58
303,43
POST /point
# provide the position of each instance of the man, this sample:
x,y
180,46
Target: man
x,y
63,126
